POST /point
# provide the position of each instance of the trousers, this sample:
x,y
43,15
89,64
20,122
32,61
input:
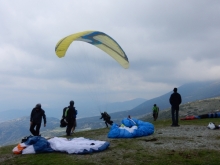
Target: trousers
x,y
36,131
175,115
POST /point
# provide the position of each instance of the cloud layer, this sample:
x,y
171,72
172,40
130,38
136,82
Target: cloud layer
x,y
168,43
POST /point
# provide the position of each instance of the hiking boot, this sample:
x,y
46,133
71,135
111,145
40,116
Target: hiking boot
x,y
177,125
172,125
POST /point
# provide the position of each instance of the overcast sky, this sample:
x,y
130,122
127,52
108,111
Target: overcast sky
x,y
168,43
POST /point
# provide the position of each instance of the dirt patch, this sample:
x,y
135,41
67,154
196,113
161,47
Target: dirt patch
x,y
183,137
176,138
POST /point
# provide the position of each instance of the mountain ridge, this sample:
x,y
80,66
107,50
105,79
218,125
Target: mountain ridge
x,y
12,131
57,113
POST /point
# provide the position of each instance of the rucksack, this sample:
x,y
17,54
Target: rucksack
x,y
63,123
65,110
25,138
107,115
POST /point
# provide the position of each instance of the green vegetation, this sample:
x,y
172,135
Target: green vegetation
x,y
122,151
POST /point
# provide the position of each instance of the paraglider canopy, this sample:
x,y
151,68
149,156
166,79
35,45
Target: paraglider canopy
x,y
98,39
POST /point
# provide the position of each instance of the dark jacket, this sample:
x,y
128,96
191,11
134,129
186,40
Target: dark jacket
x,y
105,117
64,111
175,99
70,114
36,116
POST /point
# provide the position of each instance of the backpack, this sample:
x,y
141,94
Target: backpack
x,y
25,138
63,123
107,115
65,110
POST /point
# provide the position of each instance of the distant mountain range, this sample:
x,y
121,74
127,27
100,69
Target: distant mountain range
x,y
12,131
57,113
139,106
190,92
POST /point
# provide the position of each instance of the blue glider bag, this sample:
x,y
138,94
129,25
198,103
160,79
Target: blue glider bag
x,y
131,128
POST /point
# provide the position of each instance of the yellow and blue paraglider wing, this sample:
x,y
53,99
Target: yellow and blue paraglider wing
x,y
98,39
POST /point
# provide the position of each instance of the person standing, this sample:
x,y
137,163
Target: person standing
x,y
175,101
155,111
70,112
37,114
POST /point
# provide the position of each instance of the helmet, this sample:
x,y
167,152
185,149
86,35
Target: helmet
x,y
38,105
71,102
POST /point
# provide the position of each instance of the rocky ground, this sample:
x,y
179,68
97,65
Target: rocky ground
x,y
184,137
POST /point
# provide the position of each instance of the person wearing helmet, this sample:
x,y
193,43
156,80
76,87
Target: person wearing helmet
x,y
37,114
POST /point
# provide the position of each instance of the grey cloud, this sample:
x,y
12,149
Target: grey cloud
x,y
168,43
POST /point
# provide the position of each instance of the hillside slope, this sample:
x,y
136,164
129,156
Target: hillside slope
x,y
12,131
198,107
191,143
190,92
